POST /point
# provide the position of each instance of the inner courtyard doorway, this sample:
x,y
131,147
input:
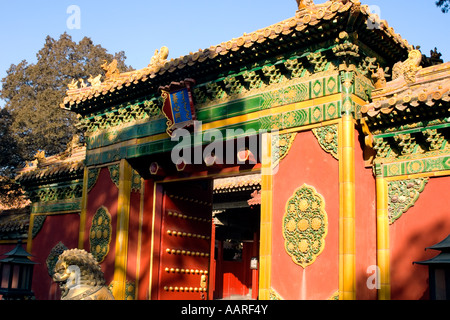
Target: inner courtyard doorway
x,y
209,239
236,219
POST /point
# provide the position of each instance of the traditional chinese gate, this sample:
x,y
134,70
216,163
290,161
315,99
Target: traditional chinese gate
x,y
185,240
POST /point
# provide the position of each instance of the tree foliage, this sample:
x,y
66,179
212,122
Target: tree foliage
x,y
444,5
32,119
34,92
10,193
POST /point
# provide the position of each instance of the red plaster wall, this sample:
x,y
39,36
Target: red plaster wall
x,y
56,228
145,257
133,235
104,193
423,225
307,163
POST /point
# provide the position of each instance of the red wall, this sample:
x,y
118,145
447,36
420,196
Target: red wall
x,y
144,273
307,163
56,228
104,193
423,225
133,235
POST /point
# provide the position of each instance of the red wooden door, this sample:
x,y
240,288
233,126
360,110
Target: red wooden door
x,y
185,240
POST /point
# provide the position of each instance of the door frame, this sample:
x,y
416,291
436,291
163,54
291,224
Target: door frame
x,y
155,252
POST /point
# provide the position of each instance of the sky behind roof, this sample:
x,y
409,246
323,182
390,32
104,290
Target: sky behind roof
x,y
138,27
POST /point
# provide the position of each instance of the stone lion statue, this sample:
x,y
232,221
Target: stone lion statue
x,y
80,277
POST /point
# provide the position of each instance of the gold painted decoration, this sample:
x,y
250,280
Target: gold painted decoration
x,y
130,290
305,225
114,172
92,177
100,234
334,296
274,295
328,139
136,181
281,144
402,195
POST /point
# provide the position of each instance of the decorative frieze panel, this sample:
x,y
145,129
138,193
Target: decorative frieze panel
x,y
300,117
273,74
435,139
282,75
406,143
318,60
123,114
296,68
414,166
252,79
234,85
305,225
55,193
69,205
402,195
426,142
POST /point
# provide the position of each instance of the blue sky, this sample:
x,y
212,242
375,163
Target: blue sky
x,y
138,27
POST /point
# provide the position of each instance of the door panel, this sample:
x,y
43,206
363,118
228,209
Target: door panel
x,y
185,240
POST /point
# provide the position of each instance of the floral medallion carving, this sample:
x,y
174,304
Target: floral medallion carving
x,y
100,234
305,225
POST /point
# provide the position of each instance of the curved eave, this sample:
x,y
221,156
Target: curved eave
x,y
399,102
51,174
316,24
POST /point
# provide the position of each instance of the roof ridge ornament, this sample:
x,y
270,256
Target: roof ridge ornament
x,y
302,4
112,72
408,68
159,59
95,81
39,159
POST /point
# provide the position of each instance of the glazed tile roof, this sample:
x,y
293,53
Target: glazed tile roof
x,y
428,93
307,25
238,183
69,163
14,223
255,198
